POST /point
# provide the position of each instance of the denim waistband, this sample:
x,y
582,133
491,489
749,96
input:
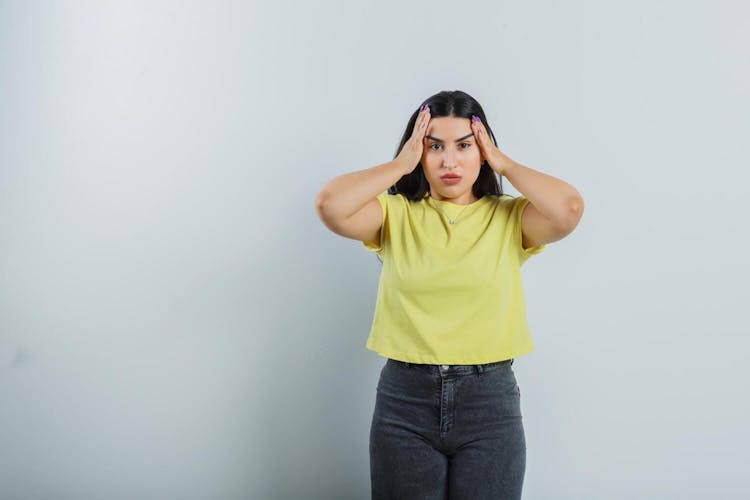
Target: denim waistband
x,y
458,369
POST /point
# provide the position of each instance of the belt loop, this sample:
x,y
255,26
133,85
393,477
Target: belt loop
x,y
480,369
511,361
408,365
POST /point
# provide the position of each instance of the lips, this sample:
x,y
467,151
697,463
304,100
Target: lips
x,y
450,180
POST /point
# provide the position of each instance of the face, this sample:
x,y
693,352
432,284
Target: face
x,y
450,148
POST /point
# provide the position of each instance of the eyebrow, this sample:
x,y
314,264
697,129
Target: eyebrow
x,y
457,140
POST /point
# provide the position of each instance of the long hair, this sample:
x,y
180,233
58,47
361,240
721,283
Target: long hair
x,y
414,185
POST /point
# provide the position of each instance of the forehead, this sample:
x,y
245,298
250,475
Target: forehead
x,y
449,128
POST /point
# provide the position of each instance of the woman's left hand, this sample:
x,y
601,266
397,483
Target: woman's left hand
x,y
496,159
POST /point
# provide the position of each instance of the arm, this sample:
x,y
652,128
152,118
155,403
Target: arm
x,y
555,207
345,195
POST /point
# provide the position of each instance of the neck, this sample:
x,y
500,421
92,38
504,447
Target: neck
x,y
463,199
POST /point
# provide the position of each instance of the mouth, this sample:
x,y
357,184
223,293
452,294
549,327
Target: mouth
x,y
450,179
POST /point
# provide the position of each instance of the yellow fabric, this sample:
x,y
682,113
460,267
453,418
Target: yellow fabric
x,y
451,294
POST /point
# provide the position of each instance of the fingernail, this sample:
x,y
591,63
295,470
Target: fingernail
x,y
474,119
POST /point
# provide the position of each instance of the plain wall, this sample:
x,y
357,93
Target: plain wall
x,y
177,323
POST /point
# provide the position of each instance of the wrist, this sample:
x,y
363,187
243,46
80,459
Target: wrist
x,y
400,165
501,163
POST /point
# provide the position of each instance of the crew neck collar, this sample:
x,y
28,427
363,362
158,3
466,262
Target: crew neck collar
x,y
451,204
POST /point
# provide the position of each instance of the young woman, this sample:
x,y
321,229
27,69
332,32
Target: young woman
x,y
450,315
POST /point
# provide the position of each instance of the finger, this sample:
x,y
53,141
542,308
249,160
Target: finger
x,y
477,129
425,119
476,125
418,124
425,123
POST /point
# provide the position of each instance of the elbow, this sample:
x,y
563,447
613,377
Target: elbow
x,y
567,219
320,198
320,202
324,211
320,211
574,213
576,207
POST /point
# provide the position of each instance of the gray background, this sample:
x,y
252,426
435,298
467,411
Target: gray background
x,y
176,323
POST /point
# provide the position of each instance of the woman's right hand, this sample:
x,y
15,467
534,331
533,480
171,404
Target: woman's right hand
x,y
411,153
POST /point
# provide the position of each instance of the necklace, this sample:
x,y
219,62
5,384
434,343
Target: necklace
x,y
452,221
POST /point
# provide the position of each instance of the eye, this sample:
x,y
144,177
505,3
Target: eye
x,y
467,144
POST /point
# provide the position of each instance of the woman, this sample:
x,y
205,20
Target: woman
x,y
450,315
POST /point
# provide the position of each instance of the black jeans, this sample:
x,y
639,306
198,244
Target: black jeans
x,y
447,432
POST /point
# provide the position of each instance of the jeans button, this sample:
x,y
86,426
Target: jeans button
x,y
445,367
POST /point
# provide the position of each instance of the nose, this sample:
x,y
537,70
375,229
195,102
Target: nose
x,y
449,159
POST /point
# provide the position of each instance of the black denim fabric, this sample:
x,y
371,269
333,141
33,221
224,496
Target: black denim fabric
x,y
447,432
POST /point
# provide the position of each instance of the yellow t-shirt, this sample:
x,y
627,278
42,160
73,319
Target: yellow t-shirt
x,y
451,294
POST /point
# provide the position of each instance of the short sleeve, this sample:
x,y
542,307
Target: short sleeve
x,y
518,204
378,249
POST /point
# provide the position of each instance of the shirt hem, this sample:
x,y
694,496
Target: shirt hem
x,y
431,359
